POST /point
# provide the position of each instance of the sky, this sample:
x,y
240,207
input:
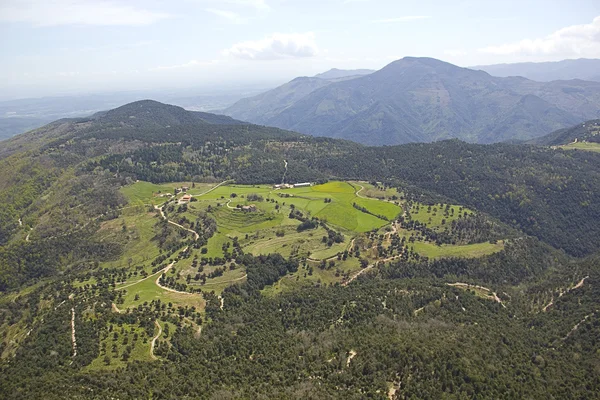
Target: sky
x,y
55,47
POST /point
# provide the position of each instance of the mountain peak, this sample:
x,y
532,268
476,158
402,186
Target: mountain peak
x,y
154,114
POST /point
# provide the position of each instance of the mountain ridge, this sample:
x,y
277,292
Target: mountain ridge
x,y
581,68
424,100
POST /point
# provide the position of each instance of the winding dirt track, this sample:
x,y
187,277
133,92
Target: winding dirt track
x,y
168,289
493,295
362,271
357,193
143,279
154,339
561,293
228,206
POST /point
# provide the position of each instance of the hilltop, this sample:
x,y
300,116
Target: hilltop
x,y
424,100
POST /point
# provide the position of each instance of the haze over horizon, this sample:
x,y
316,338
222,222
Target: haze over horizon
x,y
65,46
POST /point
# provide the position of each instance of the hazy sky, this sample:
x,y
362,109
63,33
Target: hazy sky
x,y
61,46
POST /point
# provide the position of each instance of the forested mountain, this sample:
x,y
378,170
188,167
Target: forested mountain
x,y
261,108
582,68
588,131
521,322
424,100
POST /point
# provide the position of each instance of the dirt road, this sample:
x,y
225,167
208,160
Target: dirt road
x,y
154,339
73,339
561,293
493,295
362,271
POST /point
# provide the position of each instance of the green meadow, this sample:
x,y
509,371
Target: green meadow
x,y
269,229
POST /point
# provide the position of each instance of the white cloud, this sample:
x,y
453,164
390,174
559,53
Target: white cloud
x,y
276,46
76,12
228,15
405,18
577,40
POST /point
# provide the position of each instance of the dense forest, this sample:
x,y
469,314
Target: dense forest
x,y
519,323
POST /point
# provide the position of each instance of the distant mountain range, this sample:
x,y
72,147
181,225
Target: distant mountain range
x,y
423,100
583,68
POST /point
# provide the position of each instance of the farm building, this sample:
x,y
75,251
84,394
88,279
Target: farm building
x,y
185,199
185,188
303,184
249,208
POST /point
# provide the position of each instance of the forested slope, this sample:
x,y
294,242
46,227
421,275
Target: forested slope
x,y
519,323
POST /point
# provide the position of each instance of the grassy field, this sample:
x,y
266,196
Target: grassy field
x,y
340,211
144,193
220,283
468,250
304,244
376,192
139,231
147,290
582,146
436,216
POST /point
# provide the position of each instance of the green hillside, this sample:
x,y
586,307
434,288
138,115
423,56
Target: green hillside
x,y
172,255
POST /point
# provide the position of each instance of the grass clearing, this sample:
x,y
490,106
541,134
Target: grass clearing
x,y
147,290
475,250
139,230
144,193
586,146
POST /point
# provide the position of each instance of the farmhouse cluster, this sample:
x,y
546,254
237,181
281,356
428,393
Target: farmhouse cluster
x,y
291,185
